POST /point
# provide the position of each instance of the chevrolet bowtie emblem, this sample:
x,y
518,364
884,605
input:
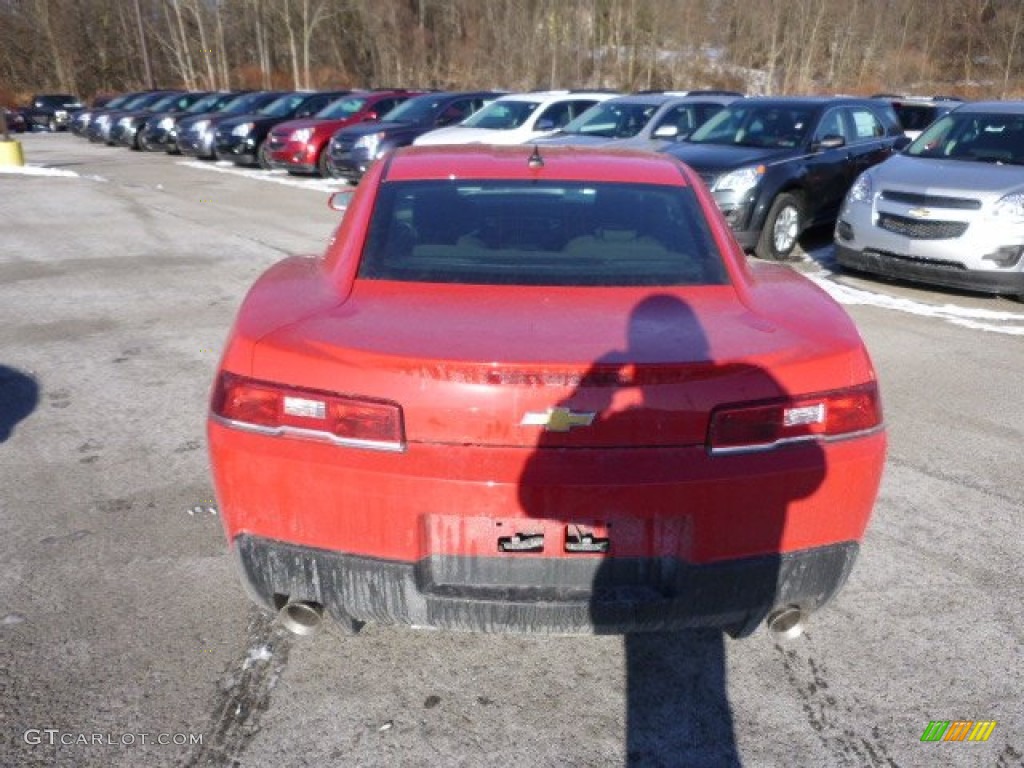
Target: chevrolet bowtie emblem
x,y
919,213
557,419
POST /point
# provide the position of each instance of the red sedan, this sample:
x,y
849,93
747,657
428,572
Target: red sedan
x,y
542,391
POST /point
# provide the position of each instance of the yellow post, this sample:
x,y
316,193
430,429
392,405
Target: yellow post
x,y
11,154
10,151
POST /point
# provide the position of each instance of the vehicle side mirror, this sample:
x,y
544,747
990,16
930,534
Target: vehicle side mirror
x,y
339,200
667,131
832,141
370,116
545,124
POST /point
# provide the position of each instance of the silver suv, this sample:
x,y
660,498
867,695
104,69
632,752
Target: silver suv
x,y
949,210
649,120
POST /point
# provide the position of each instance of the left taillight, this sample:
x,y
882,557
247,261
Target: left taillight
x,y
271,408
765,425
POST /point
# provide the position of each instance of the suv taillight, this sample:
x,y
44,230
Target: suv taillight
x,y
765,425
278,409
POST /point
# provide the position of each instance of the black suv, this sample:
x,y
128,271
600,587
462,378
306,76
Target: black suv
x,y
51,111
777,166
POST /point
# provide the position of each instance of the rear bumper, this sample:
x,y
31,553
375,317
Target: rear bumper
x,y
592,596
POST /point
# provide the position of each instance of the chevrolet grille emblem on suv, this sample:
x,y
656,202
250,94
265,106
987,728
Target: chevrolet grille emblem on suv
x,y
919,213
557,419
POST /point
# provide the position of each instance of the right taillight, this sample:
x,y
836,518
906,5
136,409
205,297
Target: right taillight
x,y
768,424
271,408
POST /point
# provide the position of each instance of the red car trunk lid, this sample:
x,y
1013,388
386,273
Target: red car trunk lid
x,y
578,367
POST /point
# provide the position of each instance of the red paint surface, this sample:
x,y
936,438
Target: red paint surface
x,y
467,362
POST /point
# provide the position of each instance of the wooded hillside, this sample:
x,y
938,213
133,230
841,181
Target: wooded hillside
x,y
965,47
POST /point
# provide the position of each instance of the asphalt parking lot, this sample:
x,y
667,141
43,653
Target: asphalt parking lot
x,y
126,639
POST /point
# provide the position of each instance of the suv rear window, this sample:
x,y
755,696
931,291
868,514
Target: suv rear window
x,y
566,233
916,117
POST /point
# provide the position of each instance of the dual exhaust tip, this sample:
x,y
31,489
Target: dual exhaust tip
x,y
786,623
303,617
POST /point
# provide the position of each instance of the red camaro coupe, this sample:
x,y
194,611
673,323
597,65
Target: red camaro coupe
x,y
542,389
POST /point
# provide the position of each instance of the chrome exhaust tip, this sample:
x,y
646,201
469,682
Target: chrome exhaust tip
x,y
300,617
787,623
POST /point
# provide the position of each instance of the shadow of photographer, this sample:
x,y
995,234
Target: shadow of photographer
x,y
19,396
659,540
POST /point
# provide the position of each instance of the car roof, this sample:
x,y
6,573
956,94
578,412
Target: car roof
x,y
448,95
668,97
809,101
998,107
909,99
513,162
553,95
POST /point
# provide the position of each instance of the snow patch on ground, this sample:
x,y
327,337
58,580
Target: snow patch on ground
x,y
256,655
989,320
35,170
324,186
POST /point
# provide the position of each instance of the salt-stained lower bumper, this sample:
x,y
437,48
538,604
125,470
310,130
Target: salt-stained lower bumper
x,y
593,595
931,272
508,538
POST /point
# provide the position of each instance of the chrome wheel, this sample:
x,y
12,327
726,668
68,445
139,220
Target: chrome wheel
x,y
786,229
782,227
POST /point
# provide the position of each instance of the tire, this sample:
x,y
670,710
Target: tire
x,y
782,228
323,164
263,156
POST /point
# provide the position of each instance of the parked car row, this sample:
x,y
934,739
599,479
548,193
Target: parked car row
x,y
775,166
293,130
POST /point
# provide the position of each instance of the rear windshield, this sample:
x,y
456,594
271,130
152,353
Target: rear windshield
x,y
916,117
540,233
